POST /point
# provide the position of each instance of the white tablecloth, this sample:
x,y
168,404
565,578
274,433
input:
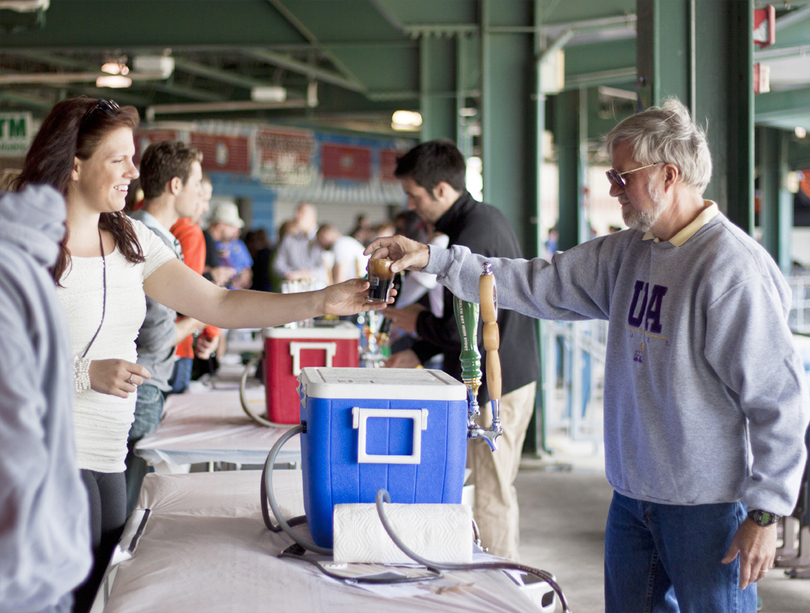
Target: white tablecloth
x,y
207,424
205,549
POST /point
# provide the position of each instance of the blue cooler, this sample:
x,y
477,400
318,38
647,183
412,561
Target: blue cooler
x,y
404,430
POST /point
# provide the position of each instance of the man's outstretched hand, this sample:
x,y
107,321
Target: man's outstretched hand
x,y
405,253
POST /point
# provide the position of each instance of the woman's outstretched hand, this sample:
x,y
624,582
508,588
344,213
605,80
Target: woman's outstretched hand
x,y
350,297
405,253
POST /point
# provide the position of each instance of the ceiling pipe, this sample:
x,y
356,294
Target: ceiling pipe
x,y
557,44
220,107
57,78
792,18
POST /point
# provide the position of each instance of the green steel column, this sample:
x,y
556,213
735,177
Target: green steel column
x,y
569,162
665,51
535,441
540,129
702,52
437,87
776,210
733,182
468,83
463,140
507,142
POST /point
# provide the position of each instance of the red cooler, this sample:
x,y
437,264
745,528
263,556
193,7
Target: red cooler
x,y
288,350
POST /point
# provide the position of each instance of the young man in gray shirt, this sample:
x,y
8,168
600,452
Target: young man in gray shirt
x,y
171,176
706,403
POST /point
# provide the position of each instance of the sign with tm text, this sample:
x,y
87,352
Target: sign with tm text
x,y
16,132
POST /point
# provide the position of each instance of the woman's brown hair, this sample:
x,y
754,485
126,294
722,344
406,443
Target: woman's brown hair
x,y
74,129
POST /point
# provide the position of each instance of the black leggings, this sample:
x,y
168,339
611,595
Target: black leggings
x,y
107,494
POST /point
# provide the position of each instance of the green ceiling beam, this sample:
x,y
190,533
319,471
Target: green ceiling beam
x,y
315,72
614,59
782,104
156,23
49,58
385,69
336,20
405,13
792,28
185,92
302,29
26,101
217,74
555,11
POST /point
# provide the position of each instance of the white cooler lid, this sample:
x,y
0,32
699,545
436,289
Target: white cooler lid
x,y
340,330
382,383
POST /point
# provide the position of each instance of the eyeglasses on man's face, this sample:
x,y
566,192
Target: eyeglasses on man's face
x,y
615,177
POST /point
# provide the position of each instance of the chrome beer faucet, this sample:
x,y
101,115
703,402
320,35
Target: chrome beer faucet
x,y
467,319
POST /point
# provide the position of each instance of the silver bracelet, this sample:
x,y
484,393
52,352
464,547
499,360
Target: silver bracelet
x,y
81,373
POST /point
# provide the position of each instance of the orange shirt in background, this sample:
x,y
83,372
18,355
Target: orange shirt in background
x,y
192,242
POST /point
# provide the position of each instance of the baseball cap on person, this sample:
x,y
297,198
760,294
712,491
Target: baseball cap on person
x,y
225,212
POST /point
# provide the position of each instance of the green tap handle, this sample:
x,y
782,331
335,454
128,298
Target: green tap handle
x,y
467,319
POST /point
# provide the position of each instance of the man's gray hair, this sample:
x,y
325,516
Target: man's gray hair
x,y
667,134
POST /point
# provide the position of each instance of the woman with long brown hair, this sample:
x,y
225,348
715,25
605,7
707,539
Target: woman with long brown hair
x,y
107,263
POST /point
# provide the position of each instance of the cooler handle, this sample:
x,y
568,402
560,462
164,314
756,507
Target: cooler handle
x,y
297,348
360,417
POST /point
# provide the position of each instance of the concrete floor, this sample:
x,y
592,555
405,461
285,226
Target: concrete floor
x,y
563,508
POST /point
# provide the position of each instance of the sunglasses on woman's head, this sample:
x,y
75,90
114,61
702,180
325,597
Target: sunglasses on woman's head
x,y
108,107
615,177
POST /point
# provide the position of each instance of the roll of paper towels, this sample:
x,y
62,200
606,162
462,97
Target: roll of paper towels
x,y
439,532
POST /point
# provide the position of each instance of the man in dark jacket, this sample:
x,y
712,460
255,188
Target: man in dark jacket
x,y
433,175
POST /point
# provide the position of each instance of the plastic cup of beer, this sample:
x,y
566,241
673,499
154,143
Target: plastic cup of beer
x,y
380,280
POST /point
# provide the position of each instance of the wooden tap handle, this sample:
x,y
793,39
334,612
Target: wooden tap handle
x,y
488,298
493,374
489,314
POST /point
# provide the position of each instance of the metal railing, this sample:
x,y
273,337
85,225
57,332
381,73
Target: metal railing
x,y
574,368
799,318
573,379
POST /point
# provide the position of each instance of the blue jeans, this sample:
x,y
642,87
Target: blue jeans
x,y
148,410
667,558
181,376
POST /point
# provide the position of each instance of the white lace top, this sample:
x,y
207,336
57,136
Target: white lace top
x,y
102,421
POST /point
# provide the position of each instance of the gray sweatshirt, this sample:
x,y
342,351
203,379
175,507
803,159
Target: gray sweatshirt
x,y
705,396
158,333
44,516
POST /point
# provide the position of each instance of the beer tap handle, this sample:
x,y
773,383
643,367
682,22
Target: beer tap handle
x,y
488,296
492,341
467,320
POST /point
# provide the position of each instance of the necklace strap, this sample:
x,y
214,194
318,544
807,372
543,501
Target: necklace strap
x,y
104,299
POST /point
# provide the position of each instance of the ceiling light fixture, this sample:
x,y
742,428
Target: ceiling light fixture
x,y
115,68
162,65
269,93
114,80
406,121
